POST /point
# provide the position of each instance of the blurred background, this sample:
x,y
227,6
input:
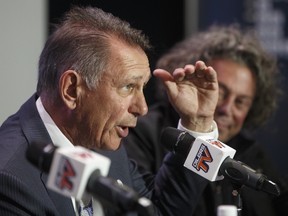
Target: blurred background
x,y
25,26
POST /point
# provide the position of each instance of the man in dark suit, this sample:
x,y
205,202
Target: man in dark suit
x,y
248,93
92,72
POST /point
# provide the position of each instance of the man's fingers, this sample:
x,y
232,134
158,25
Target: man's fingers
x,y
163,75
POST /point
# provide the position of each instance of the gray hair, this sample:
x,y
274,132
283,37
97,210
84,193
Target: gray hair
x,y
81,43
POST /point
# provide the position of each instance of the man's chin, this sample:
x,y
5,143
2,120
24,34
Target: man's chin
x,y
112,146
223,138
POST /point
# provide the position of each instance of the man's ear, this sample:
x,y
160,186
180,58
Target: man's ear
x,y
70,88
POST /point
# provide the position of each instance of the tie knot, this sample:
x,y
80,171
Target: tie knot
x,y
86,210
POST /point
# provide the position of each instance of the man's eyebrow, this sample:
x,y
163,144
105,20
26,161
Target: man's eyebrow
x,y
140,77
226,88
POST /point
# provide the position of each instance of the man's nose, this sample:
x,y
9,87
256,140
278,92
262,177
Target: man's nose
x,y
139,106
225,106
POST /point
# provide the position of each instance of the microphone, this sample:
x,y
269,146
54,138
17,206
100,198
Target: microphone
x,y
212,160
78,172
227,210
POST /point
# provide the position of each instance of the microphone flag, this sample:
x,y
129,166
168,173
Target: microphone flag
x,y
206,156
71,169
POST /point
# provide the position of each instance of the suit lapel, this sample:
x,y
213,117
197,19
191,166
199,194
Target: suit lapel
x,y
119,168
35,132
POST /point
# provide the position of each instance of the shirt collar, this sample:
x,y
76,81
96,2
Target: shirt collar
x,y
58,138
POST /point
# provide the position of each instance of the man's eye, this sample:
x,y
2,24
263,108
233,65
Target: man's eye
x,y
243,104
129,87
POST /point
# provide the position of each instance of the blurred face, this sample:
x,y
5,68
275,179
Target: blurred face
x,y
236,93
109,111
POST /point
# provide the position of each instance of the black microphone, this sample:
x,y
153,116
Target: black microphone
x,y
76,172
238,173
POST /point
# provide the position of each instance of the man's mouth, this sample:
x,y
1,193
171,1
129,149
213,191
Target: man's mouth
x,y
222,125
122,131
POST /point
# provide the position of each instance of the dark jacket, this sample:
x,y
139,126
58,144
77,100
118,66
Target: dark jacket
x,y
23,189
143,145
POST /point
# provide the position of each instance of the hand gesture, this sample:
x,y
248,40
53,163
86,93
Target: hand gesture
x,y
193,92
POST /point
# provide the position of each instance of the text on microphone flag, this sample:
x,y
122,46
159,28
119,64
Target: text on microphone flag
x,y
65,175
203,157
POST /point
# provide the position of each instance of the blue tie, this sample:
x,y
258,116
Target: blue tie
x,y
86,210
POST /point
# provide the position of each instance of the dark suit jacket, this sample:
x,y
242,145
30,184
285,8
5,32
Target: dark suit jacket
x,y
23,191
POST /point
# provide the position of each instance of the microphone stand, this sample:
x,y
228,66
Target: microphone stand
x,y
236,193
